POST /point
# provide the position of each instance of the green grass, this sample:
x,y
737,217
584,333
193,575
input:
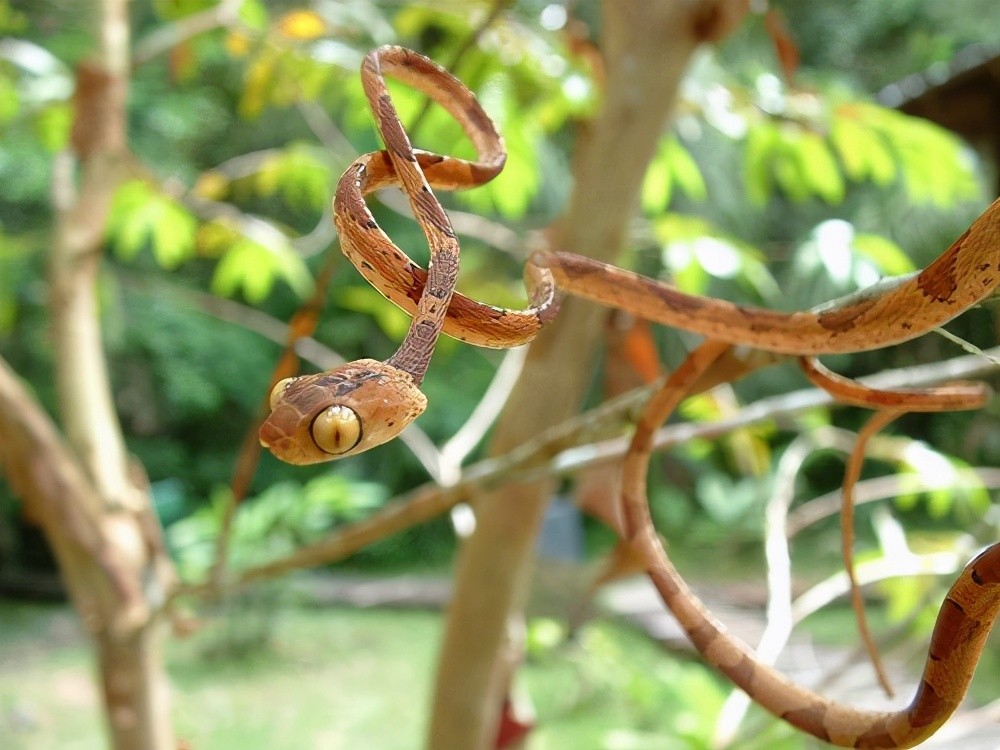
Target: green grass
x,y
329,679
48,698
345,678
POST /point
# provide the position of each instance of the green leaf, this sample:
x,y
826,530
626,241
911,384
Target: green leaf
x,y
53,124
887,256
694,250
260,77
762,141
253,13
126,227
253,267
818,167
515,187
141,216
246,265
339,499
173,234
932,160
904,595
543,636
309,178
725,500
364,299
685,170
691,277
10,102
12,21
657,183
863,152
846,136
268,177
671,165
799,161
789,174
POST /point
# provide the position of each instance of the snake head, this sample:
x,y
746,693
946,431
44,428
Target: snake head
x,y
340,412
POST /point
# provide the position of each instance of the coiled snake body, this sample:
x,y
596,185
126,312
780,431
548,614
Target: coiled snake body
x,y
363,404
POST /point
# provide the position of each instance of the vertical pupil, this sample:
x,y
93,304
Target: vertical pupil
x,y
336,430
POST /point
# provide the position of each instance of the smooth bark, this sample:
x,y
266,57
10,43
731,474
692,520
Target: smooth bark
x,y
646,45
83,490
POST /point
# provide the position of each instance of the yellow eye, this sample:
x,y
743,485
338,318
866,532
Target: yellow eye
x,y
278,391
336,430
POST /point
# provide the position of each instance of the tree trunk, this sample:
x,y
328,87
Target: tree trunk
x,y
647,45
92,503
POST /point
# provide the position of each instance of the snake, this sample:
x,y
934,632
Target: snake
x,y
365,403
362,404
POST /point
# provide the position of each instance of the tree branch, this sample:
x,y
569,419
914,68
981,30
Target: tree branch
x,y
550,455
165,38
115,532
60,497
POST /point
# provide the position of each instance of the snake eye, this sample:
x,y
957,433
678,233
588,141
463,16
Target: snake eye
x,y
336,430
278,391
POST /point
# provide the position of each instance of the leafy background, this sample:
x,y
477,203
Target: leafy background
x,y
764,190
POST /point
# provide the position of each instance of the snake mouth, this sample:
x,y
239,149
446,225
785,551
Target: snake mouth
x,y
267,435
279,443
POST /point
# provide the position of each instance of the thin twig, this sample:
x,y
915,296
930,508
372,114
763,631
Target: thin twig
x,y
830,589
165,38
883,488
872,427
558,451
776,408
253,227
778,622
461,444
872,571
780,619
259,229
303,324
966,345
325,129
889,640
244,165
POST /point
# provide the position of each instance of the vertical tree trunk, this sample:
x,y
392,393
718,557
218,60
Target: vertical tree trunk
x,y
111,560
647,45
94,506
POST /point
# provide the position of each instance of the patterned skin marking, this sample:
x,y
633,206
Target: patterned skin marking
x,y
938,281
843,319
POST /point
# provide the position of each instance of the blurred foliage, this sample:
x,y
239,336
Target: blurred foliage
x,y
285,516
874,44
763,191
